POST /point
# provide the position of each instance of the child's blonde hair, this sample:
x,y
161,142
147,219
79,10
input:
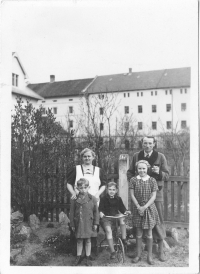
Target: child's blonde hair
x,y
82,181
112,184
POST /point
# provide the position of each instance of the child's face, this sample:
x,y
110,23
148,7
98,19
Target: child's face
x,y
112,191
142,169
83,189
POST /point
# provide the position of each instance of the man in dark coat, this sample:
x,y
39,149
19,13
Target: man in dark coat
x,y
159,171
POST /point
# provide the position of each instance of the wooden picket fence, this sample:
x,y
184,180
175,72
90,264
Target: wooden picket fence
x,y
53,197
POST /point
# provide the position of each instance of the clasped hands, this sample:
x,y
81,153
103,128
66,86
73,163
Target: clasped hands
x,y
141,209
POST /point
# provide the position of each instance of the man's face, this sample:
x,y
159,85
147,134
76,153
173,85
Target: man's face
x,y
148,144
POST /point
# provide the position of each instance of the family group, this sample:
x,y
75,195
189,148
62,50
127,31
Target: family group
x,y
94,201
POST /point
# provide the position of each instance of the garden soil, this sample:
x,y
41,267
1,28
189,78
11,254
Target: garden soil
x,y
43,248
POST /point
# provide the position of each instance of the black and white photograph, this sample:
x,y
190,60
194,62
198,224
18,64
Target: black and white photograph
x,y
99,136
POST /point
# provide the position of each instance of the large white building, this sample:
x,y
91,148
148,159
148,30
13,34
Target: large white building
x,y
147,102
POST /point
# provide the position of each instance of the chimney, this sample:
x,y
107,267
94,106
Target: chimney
x,y
130,70
52,78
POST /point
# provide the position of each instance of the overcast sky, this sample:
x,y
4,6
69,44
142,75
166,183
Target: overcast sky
x,y
82,39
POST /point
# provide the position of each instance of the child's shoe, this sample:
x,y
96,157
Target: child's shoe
x,y
88,261
77,261
113,255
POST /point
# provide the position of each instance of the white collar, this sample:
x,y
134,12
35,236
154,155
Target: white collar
x,y
145,153
143,179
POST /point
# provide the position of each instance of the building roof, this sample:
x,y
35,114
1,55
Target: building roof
x,y
156,79
26,92
62,88
14,54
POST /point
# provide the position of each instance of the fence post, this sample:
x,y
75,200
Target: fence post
x,y
123,183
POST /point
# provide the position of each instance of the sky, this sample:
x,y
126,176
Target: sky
x,y
82,39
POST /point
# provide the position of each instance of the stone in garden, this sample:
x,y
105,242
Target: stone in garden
x,y
25,231
63,219
17,217
34,221
175,234
64,224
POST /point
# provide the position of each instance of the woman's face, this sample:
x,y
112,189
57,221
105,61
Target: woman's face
x,y
142,169
87,158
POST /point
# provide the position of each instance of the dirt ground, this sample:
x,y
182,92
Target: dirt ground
x,y
34,252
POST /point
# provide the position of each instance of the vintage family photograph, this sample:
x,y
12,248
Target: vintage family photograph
x,y
99,144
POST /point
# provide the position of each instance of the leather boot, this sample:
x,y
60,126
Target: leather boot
x,y
139,250
161,252
77,261
149,250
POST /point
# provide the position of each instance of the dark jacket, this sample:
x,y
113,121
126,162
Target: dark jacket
x,y
156,158
83,215
111,206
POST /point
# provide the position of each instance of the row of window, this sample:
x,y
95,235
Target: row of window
x,y
56,100
101,96
153,126
126,109
154,108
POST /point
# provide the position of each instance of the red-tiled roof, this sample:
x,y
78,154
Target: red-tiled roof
x,y
157,79
61,89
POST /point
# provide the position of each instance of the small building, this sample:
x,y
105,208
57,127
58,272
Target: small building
x,y
20,82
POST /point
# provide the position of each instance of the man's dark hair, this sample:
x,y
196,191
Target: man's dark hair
x,y
154,139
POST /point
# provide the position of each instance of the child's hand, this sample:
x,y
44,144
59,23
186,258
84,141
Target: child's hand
x,y
141,209
94,227
127,213
73,228
101,214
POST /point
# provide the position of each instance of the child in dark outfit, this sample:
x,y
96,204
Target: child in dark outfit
x,y
110,205
84,219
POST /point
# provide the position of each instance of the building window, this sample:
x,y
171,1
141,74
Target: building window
x,y
168,107
101,126
183,124
101,111
140,125
169,125
43,111
155,92
71,123
181,91
185,90
183,107
139,109
124,94
70,109
151,93
126,125
128,94
70,99
137,94
153,108
101,96
15,79
43,101
54,100
170,91
166,91
55,110
154,125
126,109
141,93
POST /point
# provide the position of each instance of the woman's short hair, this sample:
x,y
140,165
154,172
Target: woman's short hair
x,y
85,150
82,181
112,184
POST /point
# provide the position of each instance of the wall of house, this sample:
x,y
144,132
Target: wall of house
x,y
16,69
61,109
118,101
